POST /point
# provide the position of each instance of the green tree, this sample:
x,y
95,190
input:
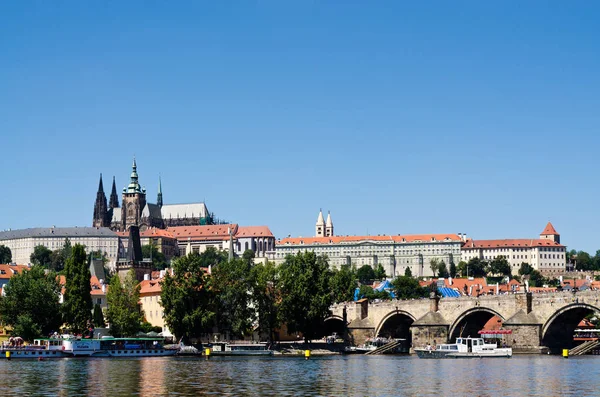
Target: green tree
x,y
57,261
343,284
248,256
536,279
41,256
77,306
525,269
30,304
306,297
584,261
499,265
474,268
407,272
452,269
370,293
265,297
159,261
380,272
406,287
186,297
67,249
98,317
232,283
365,273
461,269
434,265
443,270
5,254
124,314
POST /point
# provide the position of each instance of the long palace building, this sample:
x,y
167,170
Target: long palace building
x,y
394,253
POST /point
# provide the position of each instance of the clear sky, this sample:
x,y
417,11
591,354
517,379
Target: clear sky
x,y
398,116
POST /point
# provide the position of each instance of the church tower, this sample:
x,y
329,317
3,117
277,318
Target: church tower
x,y
114,199
134,201
550,233
159,200
329,226
100,209
320,226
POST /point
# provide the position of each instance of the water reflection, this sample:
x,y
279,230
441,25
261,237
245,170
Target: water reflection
x,y
333,376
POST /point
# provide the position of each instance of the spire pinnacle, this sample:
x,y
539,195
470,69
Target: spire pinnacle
x,y
100,186
159,198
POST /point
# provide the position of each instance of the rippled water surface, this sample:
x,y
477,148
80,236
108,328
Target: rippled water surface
x,y
327,376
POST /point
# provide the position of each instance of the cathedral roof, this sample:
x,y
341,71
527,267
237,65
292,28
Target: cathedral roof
x,y
320,220
206,232
151,211
253,231
134,186
116,216
178,211
329,222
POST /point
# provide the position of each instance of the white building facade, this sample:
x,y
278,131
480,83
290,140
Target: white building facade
x,y
546,254
22,242
394,253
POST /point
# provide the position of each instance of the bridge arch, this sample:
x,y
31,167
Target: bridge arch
x,y
396,324
558,330
334,324
471,321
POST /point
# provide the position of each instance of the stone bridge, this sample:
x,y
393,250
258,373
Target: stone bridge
x,y
538,321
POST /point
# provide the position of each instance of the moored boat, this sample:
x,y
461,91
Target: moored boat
x,y
117,347
464,348
40,349
240,349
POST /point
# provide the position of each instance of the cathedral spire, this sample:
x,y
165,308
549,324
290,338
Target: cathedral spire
x,y
100,186
114,199
134,185
100,209
159,200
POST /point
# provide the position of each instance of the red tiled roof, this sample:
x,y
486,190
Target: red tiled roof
x,y
156,233
150,287
208,232
510,243
253,231
7,271
549,230
349,239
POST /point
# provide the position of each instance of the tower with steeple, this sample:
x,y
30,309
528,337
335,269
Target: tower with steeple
x,y
134,201
329,226
114,199
320,226
159,199
100,209
550,233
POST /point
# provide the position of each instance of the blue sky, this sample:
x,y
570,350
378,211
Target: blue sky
x,y
399,117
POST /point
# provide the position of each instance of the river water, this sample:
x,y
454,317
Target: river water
x,y
319,376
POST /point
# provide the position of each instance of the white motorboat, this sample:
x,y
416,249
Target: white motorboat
x,y
465,348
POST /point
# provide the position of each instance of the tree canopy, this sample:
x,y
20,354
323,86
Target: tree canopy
x,y
159,261
406,287
434,265
443,270
124,314
365,273
30,304
266,297
343,284
77,305
306,301
41,256
499,265
380,272
186,297
232,283
5,254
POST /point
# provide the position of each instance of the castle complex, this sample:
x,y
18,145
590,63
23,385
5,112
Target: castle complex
x,y
135,209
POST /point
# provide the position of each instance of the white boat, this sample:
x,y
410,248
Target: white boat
x,y
374,343
240,349
465,348
117,347
40,349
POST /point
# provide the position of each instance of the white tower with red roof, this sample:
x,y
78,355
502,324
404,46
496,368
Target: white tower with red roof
x,y
550,233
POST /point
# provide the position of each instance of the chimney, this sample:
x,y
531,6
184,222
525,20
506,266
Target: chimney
x,y
146,277
162,274
103,288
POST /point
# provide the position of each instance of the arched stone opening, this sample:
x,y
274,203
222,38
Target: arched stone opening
x,y
331,325
396,326
557,333
472,321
